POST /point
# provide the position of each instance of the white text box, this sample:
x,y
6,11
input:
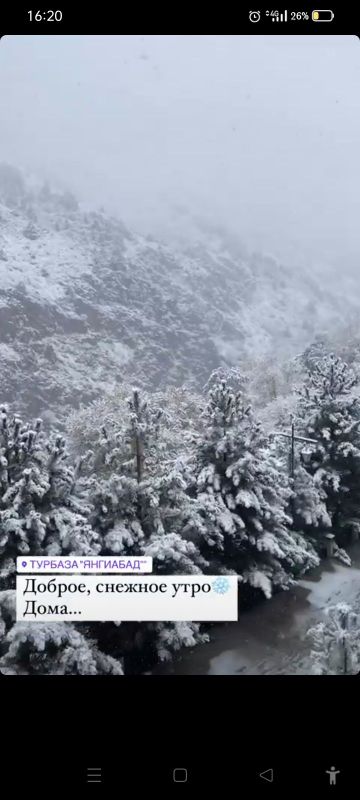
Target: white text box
x,y
91,598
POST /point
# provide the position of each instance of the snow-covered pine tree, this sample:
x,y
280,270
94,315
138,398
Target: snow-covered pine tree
x,y
336,642
144,512
313,354
308,506
329,407
112,434
233,376
249,496
180,422
48,648
41,514
135,505
39,511
172,437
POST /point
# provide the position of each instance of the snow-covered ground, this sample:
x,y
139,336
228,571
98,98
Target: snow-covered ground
x,y
270,639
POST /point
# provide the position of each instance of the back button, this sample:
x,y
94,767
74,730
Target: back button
x,y
267,775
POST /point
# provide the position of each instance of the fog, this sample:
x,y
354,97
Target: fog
x,y
258,133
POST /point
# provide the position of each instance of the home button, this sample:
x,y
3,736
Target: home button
x,y
180,775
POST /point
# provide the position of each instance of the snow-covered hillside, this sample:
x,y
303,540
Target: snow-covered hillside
x,y
85,303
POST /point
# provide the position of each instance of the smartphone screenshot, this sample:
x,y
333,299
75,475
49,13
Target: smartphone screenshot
x,y
180,401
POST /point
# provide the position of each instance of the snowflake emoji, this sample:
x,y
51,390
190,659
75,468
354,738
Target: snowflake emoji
x,y
221,585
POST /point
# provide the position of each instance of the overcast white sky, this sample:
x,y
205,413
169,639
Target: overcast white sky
x,y
261,133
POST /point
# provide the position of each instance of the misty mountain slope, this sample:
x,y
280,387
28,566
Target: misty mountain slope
x,y
84,303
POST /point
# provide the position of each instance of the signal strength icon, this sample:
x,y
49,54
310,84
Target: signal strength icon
x,y
277,16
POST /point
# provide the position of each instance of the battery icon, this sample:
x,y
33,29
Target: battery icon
x,y
322,16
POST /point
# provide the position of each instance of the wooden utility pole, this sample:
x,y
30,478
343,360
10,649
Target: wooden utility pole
x,y
139,450
291,436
